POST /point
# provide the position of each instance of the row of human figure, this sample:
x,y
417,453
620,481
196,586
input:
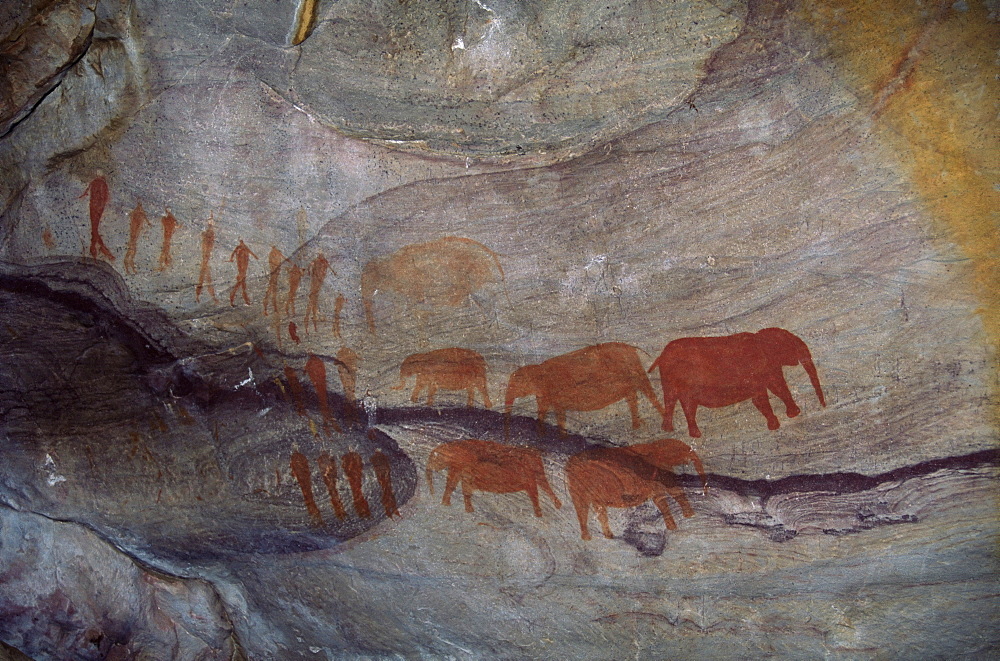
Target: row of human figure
x,y
598,477
697,371
241,255
353,466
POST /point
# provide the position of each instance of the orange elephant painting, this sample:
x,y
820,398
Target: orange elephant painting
x,y
588,379
619,477
446,369
720,371
488,466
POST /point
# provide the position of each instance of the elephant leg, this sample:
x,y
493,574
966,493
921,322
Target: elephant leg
x,y
780,388
582,506
669,404
543,411
690,413
417,387
561,421
633,407
661,504
467,494
763,405
532,490
602,516
450,484
678,494
486,395
548,489
431,391
470,400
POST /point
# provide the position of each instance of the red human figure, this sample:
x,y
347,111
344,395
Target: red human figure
x,y
205,273
316,371
137,221
294,278
353,467
298,394
383,473
99,195
300,469
348,369
274,261
242,255
337,310
328,468
293,332
317,273
170,224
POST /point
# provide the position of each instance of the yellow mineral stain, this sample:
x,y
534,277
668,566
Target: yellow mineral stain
x,y
304,21
929,75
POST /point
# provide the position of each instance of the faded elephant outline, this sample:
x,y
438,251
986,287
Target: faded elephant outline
x,y
442,272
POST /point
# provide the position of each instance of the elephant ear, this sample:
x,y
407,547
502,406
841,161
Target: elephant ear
x,y
785,348
782,347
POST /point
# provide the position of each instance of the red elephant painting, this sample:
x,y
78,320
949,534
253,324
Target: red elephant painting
x,y
720,371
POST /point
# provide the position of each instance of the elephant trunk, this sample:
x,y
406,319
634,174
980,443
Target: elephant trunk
x,y
403,373
810,368
698,466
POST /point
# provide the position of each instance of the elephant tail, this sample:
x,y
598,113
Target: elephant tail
x,y
698,466
656,363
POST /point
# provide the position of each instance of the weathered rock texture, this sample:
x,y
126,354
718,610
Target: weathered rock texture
x,y
225,226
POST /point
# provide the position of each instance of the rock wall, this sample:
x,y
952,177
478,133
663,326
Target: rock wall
x,y
265,269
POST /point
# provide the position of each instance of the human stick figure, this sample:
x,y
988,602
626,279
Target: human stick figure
x,y
205,274
170,225
274,261
295,273
99,195
317,274
241,254
137,221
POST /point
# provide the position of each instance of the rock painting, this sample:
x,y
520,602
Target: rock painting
x,y
618,477
317,274
560,200
446,369
205,270
480,465
170,225
316,370
241,255
587,379
721,371
295,273
137,222
439,273
99,196
274,261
